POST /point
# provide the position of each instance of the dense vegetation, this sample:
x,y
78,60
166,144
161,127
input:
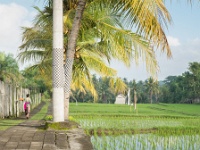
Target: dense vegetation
x,y
174,89
184,88
28,78
9,70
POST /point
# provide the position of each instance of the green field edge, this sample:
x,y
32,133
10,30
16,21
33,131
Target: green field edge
x,y
168,110
162,131
89,116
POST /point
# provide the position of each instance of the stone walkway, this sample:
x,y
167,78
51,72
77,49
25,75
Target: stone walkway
x,y
29,136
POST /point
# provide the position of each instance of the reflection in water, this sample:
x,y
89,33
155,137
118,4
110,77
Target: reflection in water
x,y
146,142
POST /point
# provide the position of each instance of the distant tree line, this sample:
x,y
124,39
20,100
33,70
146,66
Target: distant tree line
x,y
184,88
147,91
174,89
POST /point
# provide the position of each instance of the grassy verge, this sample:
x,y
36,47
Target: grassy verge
x,y
42,113
7,123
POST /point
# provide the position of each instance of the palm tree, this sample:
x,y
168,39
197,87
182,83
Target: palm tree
x,y
152,87
115,42
135,93
132,91
38,39
143,13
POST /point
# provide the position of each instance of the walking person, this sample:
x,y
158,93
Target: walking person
x,y
28,106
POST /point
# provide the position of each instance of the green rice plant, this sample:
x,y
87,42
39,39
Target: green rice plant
x,y
130,123
168,110
177,131
123,119
146,141
125,129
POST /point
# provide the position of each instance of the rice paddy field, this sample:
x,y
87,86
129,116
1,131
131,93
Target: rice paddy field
x,y
149,127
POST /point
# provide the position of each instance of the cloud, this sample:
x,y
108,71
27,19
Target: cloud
x,y
173,41
13,17
182,55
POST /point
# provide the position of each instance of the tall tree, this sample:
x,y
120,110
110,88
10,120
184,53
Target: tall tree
x,y
71,48
146,14
135,94
121,44
152,87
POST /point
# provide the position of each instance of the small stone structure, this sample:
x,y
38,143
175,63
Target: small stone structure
x,y
120,99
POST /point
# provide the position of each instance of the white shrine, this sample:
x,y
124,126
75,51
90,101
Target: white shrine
x,y
120,99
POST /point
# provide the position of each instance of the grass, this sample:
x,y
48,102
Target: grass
x,y
147,117
61,125
7,123
175,110
184,109
42,113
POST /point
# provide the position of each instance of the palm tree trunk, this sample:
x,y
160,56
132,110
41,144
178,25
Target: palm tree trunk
x,y
58,70
151,95
71,47
129,97
135,99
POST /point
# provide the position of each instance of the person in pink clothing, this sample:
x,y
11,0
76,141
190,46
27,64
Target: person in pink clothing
x,y
27,106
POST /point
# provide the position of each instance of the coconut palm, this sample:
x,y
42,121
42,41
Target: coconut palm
x,y
36,45
144,14
135,94
111,40
152,87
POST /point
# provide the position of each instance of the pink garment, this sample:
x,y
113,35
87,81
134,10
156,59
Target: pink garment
x,y
25,105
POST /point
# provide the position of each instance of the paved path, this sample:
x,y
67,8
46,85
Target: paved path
x,y
29,136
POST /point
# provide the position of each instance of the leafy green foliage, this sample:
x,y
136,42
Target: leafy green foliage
x,y
102,37
106,88
34,80
184,88
9,70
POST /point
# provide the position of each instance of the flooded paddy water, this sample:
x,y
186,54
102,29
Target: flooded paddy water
x,y
146,142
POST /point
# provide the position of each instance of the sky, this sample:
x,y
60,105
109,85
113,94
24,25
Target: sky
x,y
183,35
